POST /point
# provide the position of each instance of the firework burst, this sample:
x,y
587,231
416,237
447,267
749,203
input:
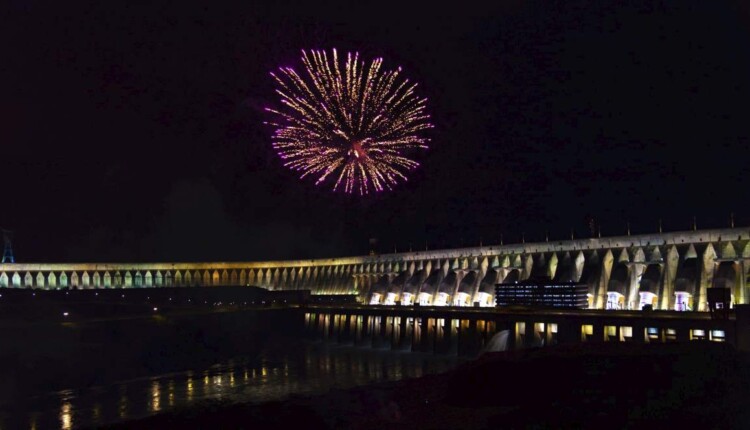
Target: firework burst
x,y
352,124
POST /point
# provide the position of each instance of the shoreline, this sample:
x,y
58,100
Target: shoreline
x,y
573,386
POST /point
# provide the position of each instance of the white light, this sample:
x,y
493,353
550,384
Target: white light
x,y
647,298
424,299
441,300
407,299
681,301
485,299
155,309
613,300
390,299
462,299
65,314
375,299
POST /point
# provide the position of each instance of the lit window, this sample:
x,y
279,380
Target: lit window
x,y
521,327
539,327
717,335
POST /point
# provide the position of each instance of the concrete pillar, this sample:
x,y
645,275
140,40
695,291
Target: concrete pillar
x,y
683,334
379,331
513,339
742,327
463,332
396,332
452,327
426,341
530,334
416,334
568,332
742,283
345,332
314,324
442,335
403,340
598,331
639,332
365,330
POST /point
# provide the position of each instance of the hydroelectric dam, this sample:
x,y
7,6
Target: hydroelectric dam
x,y
427,300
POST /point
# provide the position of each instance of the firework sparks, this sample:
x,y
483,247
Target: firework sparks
x,y
354,125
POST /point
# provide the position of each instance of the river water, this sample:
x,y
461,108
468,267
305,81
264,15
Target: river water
x,y
278,371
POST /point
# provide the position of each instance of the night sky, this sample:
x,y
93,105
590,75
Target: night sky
x,y
135,133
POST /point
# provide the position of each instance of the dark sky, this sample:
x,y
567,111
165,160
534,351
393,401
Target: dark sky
x,y
135,132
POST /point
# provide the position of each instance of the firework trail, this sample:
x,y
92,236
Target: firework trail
x,y
354,125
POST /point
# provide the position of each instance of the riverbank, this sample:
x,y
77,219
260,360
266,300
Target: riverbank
x,y
690,385
42,356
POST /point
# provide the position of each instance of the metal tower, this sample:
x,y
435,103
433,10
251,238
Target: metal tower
x,y
8,249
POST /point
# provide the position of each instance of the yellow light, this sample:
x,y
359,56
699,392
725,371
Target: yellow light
x,y
66,416
155,397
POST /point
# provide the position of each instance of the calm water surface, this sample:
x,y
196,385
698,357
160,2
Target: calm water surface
x,y
279,371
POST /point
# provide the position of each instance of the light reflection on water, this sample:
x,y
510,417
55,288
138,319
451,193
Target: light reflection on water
x,y
276,374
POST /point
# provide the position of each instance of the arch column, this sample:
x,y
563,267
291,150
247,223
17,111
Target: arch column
x,y
636,270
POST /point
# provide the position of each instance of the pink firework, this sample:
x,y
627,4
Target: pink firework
x,y
351,124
